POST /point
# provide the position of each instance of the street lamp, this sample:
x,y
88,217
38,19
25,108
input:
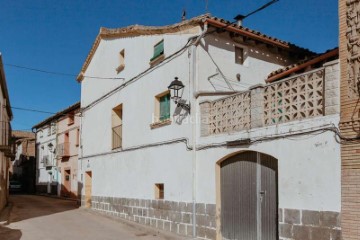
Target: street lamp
x,y
176,86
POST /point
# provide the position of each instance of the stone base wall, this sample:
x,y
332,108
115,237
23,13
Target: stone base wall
x,y
177,217
309,225
170,216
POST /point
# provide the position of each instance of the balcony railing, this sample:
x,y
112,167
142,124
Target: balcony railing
x,y
47,161
63,149
5,136
117,137
304,96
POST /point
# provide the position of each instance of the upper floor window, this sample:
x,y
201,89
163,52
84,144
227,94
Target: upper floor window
x,y
40,134
71,118
53,128
77,137
49,131
162,107
164,102
239,55
116,126
158,51
121,61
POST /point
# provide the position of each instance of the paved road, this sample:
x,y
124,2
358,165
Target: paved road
x,y
44,218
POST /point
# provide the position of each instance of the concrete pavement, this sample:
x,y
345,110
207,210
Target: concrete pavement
x,y
44,218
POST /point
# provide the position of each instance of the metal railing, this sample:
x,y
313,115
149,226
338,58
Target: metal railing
x,y
117,137
5,136
63,149
46,160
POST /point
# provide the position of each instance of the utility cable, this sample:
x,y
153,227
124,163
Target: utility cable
x,y
57,73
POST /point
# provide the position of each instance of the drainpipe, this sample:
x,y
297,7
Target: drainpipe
x,y
194,118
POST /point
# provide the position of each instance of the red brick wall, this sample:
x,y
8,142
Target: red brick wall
x,y
350,151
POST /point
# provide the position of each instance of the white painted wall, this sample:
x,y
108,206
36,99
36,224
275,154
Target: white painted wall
x,y
43,139
217,55
309,166
309,174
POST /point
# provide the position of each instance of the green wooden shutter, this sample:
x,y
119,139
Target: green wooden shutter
x,y
158,50
165,107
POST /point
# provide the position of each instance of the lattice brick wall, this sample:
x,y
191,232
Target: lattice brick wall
x,y
230,114
294,99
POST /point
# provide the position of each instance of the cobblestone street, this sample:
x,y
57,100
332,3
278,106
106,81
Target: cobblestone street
x,y
44,218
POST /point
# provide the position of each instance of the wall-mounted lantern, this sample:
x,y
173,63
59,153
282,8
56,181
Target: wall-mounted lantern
x,y
175,86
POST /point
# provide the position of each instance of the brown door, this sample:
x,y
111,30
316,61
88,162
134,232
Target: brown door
x,y
249,197
88,187
67,183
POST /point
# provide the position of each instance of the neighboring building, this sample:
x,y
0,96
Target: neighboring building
x,y
56,154
232,159
5,135
24,164
67,149
349,12
47,174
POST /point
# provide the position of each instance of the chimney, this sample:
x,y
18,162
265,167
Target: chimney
x,y
239,20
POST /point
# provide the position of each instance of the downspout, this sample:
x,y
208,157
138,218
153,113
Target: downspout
x,y
194,117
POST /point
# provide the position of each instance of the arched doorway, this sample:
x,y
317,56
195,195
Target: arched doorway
x,y
249,197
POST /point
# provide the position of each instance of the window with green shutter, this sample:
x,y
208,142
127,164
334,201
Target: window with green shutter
x,y
164,107
158,50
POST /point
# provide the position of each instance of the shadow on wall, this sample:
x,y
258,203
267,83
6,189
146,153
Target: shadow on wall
x,y
10,234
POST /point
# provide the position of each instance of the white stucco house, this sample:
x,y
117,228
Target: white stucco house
x,y
237,154
47,174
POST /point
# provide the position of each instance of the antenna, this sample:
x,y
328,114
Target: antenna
x,y
206,6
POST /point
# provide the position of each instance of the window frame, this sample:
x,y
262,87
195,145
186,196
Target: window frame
x,y
121,61
236,55
159,191
157,58
118,113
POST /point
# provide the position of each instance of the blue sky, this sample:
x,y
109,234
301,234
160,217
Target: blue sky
x,y
57,36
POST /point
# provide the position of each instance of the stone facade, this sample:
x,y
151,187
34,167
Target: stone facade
x,y
170,216
177,217
312,225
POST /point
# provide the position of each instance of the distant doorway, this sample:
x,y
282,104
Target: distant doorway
x,y
66,191
88,189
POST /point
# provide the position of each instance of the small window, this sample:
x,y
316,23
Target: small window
x,y
77,137
116,124
71,118
162,111
158,50
121,61
159,191
53,128
239,55
49,131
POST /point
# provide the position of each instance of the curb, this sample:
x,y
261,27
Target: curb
x,y
5,214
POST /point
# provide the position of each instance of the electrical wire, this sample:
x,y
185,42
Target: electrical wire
x,y
57,73
137,77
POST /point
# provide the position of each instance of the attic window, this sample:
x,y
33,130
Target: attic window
x,y
158,51
71,118
121,61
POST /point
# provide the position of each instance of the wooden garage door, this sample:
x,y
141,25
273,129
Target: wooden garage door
x,y
249,197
